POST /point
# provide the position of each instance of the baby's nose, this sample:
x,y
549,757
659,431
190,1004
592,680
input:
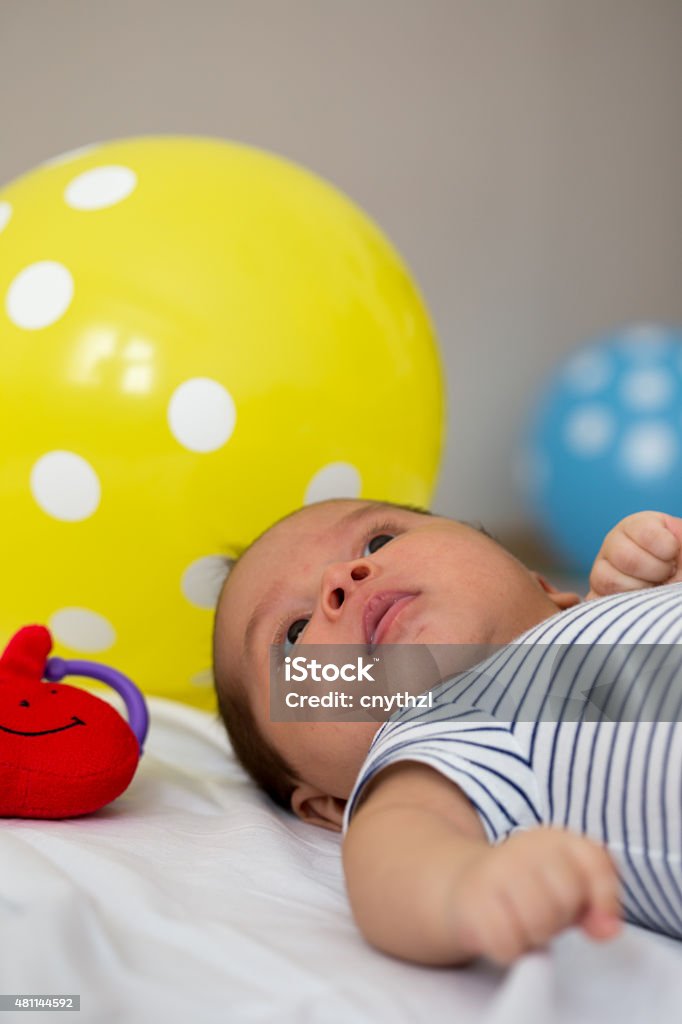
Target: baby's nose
x,y
340,578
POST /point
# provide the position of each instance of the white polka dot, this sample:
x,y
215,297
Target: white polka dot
x,y
82,630
65,486
589,430
201,414
100,187
39,295
647,389
588,372
202,581
648,450
337,480
5,214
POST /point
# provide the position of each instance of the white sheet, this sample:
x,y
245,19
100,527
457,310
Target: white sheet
x,y
190,897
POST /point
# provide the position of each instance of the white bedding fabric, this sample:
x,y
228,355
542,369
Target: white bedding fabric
x,y
191,898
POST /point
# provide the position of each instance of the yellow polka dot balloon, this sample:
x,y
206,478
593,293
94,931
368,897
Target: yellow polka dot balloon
x,y
196,337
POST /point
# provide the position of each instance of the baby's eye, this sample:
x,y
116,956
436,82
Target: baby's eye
x,y
377,541
294,631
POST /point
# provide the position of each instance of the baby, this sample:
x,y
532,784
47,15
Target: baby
x,y
427,877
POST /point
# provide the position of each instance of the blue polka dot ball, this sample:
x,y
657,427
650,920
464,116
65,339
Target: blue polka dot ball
x,y
605,439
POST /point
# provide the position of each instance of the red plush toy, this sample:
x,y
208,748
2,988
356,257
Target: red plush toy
x,y
63,751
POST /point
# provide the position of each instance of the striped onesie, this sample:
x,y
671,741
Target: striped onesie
x,y
577,723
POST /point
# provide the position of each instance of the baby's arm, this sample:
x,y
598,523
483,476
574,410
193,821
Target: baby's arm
x,y
425,884
641,551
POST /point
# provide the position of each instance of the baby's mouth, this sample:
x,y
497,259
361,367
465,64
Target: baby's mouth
x,y
380,612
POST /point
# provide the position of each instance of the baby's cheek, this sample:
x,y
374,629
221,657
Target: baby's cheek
x,y
329,754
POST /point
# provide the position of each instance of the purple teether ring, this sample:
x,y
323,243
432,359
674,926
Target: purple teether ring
x,y
138,716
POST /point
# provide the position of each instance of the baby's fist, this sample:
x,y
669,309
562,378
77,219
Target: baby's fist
x,y
641,551
516,896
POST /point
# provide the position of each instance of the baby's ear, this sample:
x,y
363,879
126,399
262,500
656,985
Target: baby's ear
x,y
317,808
562,598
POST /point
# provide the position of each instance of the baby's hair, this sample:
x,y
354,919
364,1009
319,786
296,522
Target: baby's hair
x,y
259,758
256,754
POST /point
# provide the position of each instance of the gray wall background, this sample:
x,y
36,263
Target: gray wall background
x,y
525,156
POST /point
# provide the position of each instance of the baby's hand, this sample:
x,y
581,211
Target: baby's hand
x,y
516,896
643,550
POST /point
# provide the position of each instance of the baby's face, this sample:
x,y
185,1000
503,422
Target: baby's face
x,y
319,577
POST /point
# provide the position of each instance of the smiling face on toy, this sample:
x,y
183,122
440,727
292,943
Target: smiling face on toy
x,y
40,732
63,751
53,716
